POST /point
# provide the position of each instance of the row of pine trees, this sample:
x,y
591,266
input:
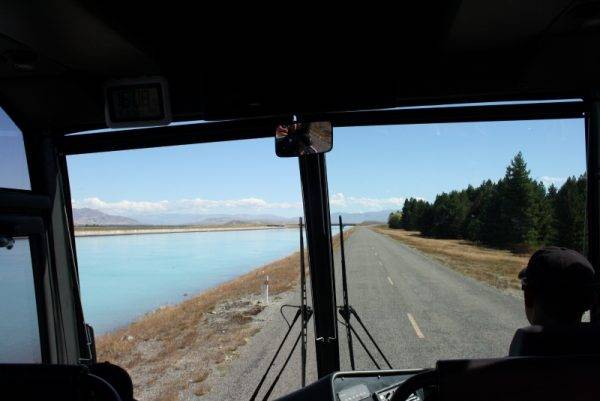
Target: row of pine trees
x,y
517,212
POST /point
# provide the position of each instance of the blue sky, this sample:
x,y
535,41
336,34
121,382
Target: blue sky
x,y
370,168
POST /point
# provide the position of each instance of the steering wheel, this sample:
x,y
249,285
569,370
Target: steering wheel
x,y
409,386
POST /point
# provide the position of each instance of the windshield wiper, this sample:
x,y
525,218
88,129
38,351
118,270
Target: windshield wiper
x,y
304,312
347,311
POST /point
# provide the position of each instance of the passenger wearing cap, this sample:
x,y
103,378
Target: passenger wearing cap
x,y
558,285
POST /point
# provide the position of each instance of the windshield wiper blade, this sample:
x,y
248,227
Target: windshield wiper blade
x,y
304,312
347,311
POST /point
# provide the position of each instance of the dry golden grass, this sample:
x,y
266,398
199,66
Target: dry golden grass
x,y
495,267
210,326
168,394
201,389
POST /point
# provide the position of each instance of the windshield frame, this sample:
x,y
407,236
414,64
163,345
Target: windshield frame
x,y
314,175
202,132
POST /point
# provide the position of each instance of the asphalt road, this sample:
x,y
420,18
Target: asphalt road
x,y
418,310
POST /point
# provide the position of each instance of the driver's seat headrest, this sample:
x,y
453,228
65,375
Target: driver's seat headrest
x,y
581,339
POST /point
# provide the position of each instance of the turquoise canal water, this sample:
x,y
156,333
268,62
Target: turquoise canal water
x,y
125,276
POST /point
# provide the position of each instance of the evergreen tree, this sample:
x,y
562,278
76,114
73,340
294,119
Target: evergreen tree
x,y
395,219
493,231
552,193
551,197
412,213
479,199
426,220
450,210
519,212
406,214
544,211
515,212
421,210
570,213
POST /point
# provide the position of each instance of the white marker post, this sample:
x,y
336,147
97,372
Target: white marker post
x,y
266,291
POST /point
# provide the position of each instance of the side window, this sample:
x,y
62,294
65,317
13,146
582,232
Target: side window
x,y
20,339
14,173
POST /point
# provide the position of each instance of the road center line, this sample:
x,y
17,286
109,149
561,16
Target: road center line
x,y
415,325
390,280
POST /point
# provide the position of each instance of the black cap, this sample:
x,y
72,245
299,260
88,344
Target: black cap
x,y
555,268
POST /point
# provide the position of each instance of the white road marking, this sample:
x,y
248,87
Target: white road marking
x,y
380,264
415,325
390,280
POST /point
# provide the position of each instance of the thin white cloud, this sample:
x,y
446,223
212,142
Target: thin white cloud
x,y
198,205
339,200
557,181
204,205
123,207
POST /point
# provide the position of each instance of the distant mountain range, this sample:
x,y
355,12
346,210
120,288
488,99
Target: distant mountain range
x,y
214,219
221,219
92,217
380,216
87,216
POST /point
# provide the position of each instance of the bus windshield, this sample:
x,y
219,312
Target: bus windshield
x,y
450,214
190,267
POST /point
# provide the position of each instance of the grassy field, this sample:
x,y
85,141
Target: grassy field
x,y
173,350
498,268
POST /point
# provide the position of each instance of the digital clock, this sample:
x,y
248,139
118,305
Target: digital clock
x,y
137,103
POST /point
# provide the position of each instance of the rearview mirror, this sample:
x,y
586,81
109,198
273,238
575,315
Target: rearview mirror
x,y
299,139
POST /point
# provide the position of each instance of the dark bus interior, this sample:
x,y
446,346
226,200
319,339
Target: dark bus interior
x,y
236,73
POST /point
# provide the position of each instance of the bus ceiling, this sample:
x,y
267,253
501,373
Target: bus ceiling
x,y
58,56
